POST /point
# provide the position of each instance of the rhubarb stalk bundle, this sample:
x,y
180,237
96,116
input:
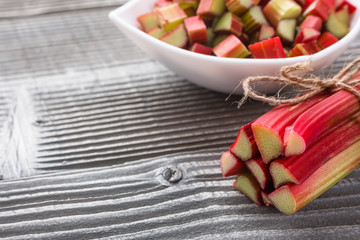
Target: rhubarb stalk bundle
x,y
299,149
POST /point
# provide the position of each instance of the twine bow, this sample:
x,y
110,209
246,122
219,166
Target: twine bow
x,y
310,86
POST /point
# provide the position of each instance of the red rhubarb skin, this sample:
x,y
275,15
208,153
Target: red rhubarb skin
x,y
324,115
352,8
284,115
199,48
322,10
301,192
269,48
326,40
326,147
250,135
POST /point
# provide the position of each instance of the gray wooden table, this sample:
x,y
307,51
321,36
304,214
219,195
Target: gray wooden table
x,y
89,124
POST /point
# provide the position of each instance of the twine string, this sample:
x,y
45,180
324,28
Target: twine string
x,y
310,86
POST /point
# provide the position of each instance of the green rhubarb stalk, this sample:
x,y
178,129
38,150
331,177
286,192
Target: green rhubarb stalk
x,y
170,16
244,146
210,9
292,197
247,185
319,119
297,169
277,10
269,128
253,19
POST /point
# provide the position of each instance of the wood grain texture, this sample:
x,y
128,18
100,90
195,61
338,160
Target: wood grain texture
x,y
89,123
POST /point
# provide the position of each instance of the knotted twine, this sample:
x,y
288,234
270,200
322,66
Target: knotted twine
x,y
310,86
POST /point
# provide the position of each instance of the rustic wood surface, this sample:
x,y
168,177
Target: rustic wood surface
x,y
89,124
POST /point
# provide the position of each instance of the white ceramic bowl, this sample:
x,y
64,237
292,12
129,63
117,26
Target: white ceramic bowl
x,y
219,74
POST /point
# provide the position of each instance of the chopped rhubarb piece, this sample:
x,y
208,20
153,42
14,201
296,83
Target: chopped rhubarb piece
x,y
244,146
247,185
319,119
269,48
326,40
292,197
148,21
253,19
335,26
160,3
185,4
156,32
260,171
302,49
286,30
343,15
209,9
313,22
196,29
240,6
269,128
231,47
231,165
199,48
228,23
170,16
296,169
276,10
176,37
351,7
266,32
318,8
307,35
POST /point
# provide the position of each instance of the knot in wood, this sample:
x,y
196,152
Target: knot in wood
x,y
172,175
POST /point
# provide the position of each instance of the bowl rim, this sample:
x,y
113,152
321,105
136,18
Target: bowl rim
x,y
115,16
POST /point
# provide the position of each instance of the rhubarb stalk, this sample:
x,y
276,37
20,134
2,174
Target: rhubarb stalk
x,y
292,197
298,168
269,128
244,146
318,119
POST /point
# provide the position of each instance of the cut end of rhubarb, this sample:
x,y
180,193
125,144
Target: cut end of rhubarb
x,y
248,186
266,199
280,175
269,142
295,144
242,147
230,165
283,200
257,172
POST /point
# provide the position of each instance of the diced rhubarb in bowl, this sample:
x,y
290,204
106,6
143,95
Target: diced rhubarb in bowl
x,y
180,34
